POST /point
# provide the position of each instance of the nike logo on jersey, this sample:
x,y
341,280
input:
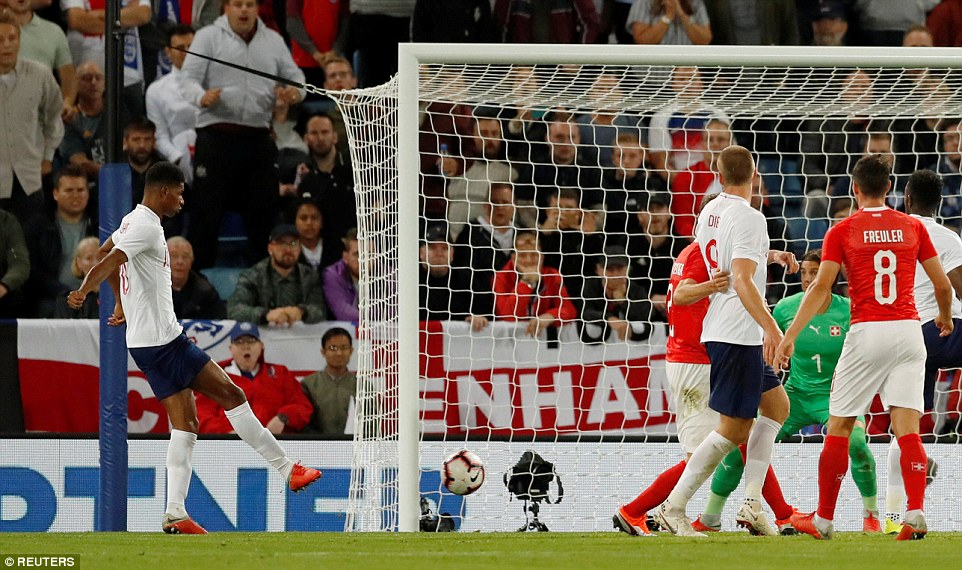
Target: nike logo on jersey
x,y
475,478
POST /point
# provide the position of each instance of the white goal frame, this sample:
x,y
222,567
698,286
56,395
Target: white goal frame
x,y
411,56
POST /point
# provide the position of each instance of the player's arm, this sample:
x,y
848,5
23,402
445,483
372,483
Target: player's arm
x,y
111,261
955,278
690,291
742,271
943,293
815,296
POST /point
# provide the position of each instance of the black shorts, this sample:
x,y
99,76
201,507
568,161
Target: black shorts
x,y
940,353
172,367
739,377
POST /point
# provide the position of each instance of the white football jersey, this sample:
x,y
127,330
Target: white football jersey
x,y
949,246
145,289
728,229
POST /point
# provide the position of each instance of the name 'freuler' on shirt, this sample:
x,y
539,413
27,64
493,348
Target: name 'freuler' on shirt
x,y
882,236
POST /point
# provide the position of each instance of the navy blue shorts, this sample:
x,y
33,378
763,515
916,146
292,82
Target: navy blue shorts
x,y
172,367
739,377
940,353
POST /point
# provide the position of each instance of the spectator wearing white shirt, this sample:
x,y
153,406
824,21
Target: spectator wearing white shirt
x,y
85,36
168,108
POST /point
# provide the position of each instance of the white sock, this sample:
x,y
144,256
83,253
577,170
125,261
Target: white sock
x,y
894,489
179,452
699,468
758,455
249,428
823,525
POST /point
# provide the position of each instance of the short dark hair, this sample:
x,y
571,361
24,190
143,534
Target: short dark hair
x,y
568,193
179,30
319,116
163,174
736,166
7,17
335,332
813,255
305,200
925,188
140,125
871,173
351,235
69,171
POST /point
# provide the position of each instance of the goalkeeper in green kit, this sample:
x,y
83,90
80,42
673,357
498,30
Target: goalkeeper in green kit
x,y
809,383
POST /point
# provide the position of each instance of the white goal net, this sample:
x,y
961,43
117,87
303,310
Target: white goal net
x,y
477,162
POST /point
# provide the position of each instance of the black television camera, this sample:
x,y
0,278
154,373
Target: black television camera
x,y
528,481
434,522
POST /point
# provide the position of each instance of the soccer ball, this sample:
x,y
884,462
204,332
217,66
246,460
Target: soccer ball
x,y
463,473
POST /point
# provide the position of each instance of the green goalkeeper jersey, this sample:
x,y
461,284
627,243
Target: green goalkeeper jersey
x,y
818,346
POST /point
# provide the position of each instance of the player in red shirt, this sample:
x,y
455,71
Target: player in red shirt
x,y
688,369
884,352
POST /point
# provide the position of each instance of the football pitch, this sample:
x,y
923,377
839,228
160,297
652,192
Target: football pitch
x,y
501,551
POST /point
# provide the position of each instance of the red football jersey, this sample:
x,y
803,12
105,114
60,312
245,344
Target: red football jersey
x,y
879,248
685,323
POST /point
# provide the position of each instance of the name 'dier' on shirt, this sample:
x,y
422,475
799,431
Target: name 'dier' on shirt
x,y
728,228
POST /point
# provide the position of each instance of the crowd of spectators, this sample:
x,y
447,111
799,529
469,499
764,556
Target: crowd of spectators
x,y
547,216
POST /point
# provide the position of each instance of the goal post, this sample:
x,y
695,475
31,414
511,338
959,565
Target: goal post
x,y
753,87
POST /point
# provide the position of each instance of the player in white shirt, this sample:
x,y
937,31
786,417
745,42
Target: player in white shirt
x,y
136,264
740,335
923,197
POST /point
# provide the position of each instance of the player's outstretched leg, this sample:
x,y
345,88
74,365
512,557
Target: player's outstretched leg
x,y
863,473
632,518
214,383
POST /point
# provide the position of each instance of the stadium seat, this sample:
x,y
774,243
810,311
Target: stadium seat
x,y
784,185
224,279
232,241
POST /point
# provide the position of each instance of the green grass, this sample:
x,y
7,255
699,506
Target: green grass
x,y
501,551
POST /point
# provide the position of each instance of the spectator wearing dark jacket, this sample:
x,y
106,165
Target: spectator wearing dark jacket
x,y
570,240
53,237
485,245
616,307
14,265
444,290
566,21
278,290
453,21
194,296
86,255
